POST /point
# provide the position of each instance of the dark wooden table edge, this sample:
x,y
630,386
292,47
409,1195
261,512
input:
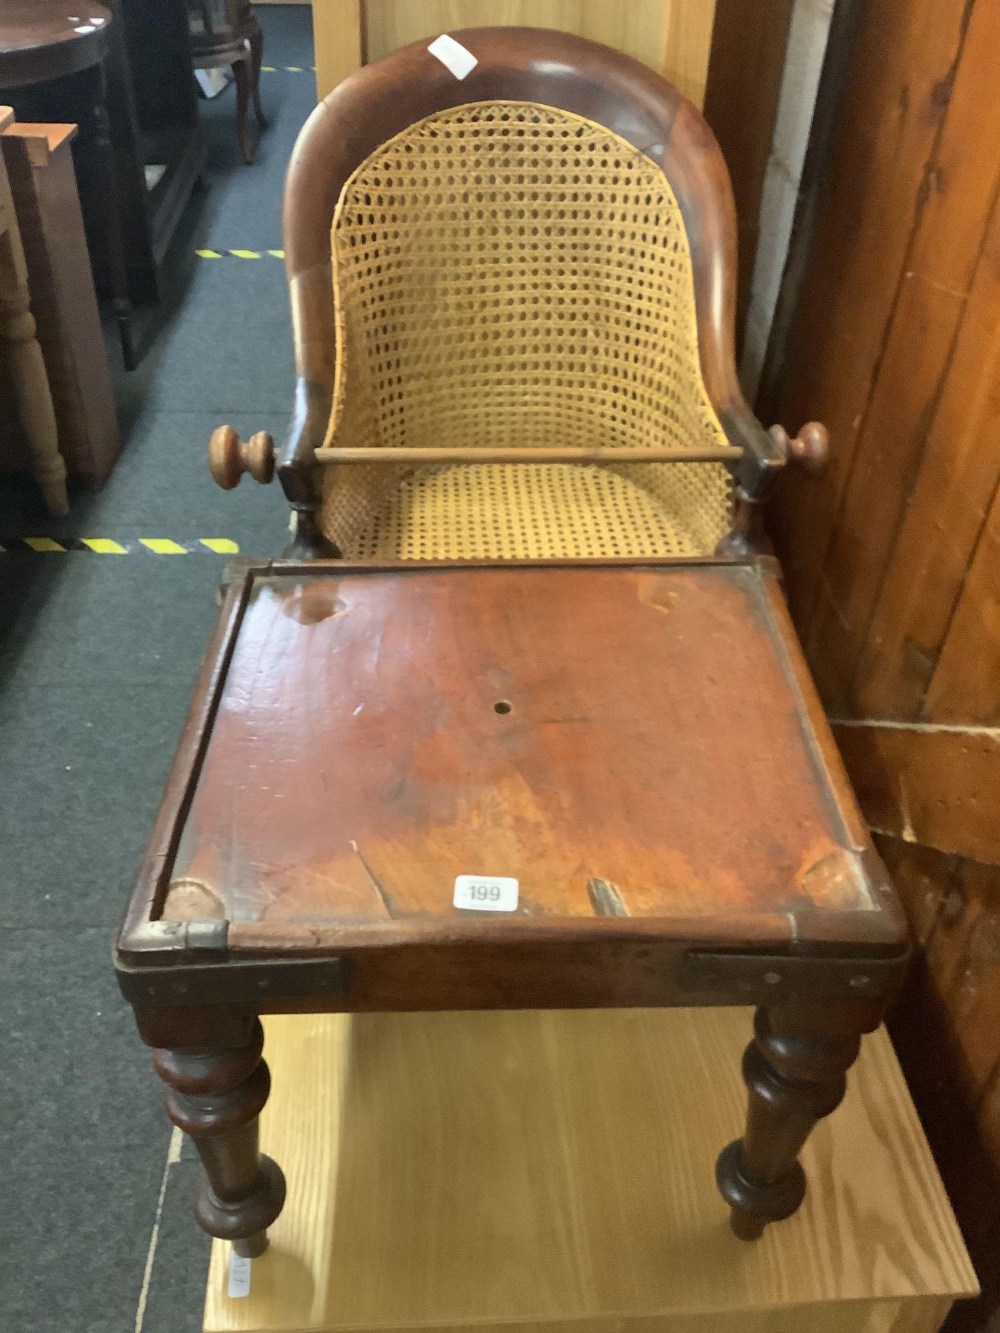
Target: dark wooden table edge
x,y
149,950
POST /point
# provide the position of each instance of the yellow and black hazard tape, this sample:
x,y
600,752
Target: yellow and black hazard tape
x,y
288,69
112,546
240,254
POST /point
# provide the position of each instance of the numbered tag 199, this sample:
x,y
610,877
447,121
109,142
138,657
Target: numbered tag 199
x,y
486,893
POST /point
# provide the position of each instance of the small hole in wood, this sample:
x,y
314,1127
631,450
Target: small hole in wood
x,y
502,706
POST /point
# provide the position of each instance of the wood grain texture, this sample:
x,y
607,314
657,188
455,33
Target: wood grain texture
x,y
965,686
530,1170
379,734
945,1031
934,785
337,42
671,36
893,107
952,209
948,505
891,560
954,908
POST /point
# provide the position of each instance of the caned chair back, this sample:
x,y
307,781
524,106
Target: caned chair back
x,y
537,254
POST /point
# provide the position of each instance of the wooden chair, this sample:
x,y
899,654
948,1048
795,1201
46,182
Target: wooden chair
x,y
535,256
226,32
524,656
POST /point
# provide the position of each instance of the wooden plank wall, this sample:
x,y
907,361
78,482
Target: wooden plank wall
x,y
673,36
892,559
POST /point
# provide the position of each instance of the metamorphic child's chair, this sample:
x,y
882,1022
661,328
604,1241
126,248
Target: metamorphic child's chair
x,y
520,720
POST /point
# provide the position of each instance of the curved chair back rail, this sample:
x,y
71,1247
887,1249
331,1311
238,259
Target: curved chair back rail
x,y
540,66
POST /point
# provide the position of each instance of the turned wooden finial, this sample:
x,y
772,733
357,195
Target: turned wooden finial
x,y
810,448
229,457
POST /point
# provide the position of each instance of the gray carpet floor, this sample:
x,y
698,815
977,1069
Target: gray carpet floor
x,y
98,655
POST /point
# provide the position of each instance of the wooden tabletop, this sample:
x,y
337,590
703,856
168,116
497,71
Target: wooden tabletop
x,y
49,38
636,747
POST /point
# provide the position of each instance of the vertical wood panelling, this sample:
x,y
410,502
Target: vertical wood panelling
x,y
891,114
946,511
951,215
966,685
893,560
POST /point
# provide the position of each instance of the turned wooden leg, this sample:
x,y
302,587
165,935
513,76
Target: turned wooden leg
x,y
31,385
241,73
112,223
256,40
215,1097
795,1070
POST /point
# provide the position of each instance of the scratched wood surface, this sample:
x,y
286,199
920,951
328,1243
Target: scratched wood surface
x,y
529,1170
891,561
624,743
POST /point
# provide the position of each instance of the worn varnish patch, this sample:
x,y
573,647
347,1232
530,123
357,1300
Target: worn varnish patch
x,y
358,761
191,900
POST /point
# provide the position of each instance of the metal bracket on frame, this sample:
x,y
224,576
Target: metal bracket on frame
x,y
762,977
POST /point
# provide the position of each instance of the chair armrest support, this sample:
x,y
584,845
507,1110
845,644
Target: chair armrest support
x,y
763,455
297,466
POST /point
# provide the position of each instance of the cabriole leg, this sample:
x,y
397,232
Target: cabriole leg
x,y
216,1096
795,1070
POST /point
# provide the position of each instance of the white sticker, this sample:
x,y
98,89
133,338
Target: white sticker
x,y
486,893
239,1275
453,55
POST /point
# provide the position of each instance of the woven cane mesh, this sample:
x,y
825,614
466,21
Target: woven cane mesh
x,y
508,274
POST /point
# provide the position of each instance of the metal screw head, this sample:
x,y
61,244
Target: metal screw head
x,y
772,978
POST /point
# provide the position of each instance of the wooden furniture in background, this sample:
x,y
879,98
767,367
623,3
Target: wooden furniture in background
x,y
27,368
226,33
404,728
44,45
671,36
151,125
891,561
418,1147
40,167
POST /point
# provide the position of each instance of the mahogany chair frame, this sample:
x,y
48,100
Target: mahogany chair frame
x,y
197,984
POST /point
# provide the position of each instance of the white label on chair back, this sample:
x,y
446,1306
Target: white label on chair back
x,y
453,55
486,893
239,1275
